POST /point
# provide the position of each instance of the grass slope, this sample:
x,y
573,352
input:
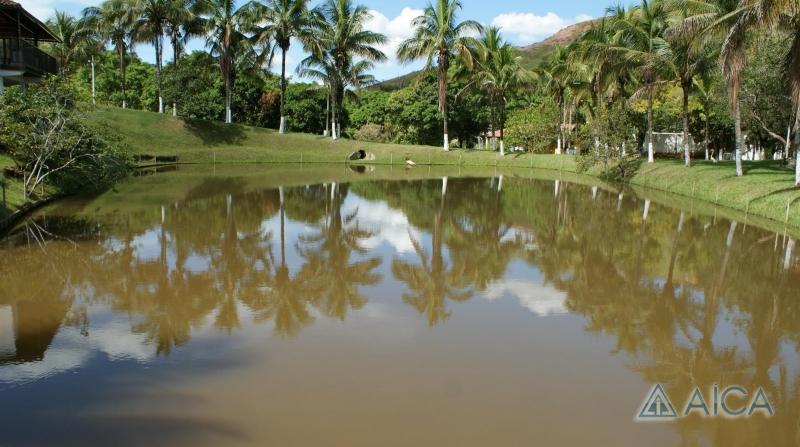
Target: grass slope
x,y
765,191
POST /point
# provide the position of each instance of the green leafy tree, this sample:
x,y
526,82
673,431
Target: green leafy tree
x,y
534,128
439,36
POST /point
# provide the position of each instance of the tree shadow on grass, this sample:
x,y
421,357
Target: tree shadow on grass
x,y
213,133
767,167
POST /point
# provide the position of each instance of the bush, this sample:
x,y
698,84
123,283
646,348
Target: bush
x,y
535,128
612,166
371,132
50,141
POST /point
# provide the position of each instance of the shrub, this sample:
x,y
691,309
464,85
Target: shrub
x,y
535,128
371,132
50,141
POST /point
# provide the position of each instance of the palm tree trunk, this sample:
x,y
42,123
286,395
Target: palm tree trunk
x,y
328,114
686,153
737,118
176,55
94,91
443,98
705,137
227,76
502,125
333,109
158,44
650,154
121,54
282,128
796,144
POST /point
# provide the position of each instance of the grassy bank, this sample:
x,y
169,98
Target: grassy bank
x,y
765,191
13,191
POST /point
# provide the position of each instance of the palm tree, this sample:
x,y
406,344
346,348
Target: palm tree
x,y
321,68
226,29
150,27
785,14
113,20
728,19
691,58
438,35
75,39
640,42
182,22
498,73
286,19
342,34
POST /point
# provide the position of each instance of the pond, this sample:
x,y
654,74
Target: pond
x,y
359,307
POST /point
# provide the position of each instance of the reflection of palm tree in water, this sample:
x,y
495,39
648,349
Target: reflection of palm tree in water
x,y
334,279
278,296
431,283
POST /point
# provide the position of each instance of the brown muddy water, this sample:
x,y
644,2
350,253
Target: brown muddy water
x,y
216,308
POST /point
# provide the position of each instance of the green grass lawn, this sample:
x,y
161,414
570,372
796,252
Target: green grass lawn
x,y
12,189
765,190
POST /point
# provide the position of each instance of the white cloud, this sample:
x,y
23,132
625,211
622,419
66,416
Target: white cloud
x,y
583,18
44,9
541,299
526,27
396,29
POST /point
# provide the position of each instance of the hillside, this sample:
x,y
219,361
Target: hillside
x,y
532,55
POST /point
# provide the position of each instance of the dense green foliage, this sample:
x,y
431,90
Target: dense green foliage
x,y
533,128
46,135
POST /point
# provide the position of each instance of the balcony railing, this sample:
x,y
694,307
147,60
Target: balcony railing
x,y
23,56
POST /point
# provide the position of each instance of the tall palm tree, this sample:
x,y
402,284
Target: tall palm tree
x,y
729,20
498,73
641,43
182,22
691,57
75,39
226,28
321,67
785,14
285,20
439,36
150,27
113,20
342,33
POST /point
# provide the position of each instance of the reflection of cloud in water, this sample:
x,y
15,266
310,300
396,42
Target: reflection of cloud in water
x,y
390,225
541,299
109,334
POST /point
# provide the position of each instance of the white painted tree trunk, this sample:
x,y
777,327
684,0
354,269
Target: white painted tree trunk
x,y
160,104
174,109
796,170
228,115
594,192
646,210
619,202
163,214
94,92
124,104
557,185
502,148
282,128
446,142
707,154
444,186
650,154
558,146
500,184
624,152
787,260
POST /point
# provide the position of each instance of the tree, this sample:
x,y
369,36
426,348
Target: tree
x,y
150,27
498,73
76,40
438,35
641,43
226,29
113,20
350,47
285,20
182,22
49,140
690,58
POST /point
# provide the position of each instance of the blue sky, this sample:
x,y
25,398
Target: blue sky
x,y
522,21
